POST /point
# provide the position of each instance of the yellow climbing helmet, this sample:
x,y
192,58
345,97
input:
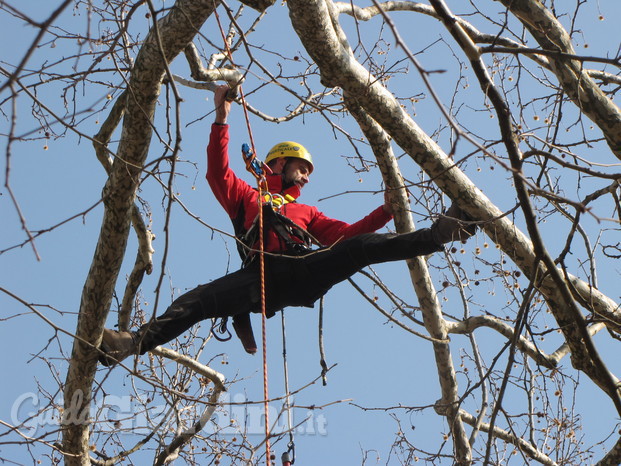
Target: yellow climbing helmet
x,y
289,149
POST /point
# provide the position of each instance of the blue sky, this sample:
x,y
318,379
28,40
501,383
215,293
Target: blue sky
x,y
377,364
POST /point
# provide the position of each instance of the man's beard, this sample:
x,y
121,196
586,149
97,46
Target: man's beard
x,y
286,184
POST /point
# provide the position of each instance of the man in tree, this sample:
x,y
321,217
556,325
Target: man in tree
x,y
295,274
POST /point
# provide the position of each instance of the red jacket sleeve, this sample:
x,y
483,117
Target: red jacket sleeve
x,y
226,186
233,194
328,230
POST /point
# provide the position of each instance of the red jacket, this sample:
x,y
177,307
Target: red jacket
x,y
238,197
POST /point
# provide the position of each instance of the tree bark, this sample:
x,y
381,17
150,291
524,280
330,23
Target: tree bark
x,y
317,27
576,82
174,32
435,323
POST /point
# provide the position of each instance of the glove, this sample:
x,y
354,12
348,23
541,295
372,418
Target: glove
x,y
450,226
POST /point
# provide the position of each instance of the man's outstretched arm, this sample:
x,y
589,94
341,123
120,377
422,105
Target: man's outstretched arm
x,y
329,230
226,186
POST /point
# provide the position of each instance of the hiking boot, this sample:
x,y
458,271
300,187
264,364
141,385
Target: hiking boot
x,y
243,329
451,226
116,346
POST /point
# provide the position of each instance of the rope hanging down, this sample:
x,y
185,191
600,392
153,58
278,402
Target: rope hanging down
x,y
288,457
258,170
262,187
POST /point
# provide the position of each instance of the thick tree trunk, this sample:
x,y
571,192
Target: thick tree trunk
x,y
448,405
174,32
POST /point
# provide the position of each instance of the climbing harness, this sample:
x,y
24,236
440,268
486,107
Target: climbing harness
x,y
296,239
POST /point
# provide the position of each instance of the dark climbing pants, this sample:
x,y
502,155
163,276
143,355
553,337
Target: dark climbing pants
x,y
289,281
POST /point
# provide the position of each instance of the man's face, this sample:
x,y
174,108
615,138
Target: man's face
x,y
297,171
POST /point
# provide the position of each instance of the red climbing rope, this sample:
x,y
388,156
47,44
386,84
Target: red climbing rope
x,y
262,188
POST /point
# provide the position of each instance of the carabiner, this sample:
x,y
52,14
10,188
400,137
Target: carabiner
x,y
253,165
288,457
